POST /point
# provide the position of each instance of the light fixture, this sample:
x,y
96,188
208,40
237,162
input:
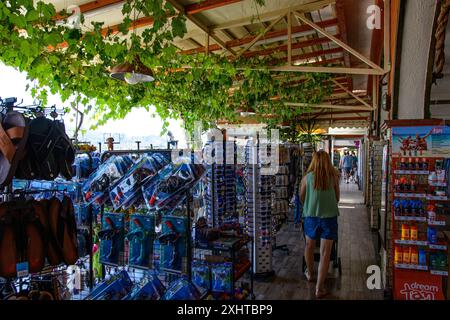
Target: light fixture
x,y
132,73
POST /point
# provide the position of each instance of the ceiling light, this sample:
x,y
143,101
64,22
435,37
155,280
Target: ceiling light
x,y
132,73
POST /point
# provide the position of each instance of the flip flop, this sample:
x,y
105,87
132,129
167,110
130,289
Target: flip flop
x,y
13,140
34,238
8,243
70,251
53,253
63,228
42,141
64,151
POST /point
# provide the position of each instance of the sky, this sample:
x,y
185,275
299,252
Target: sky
x,y
137,125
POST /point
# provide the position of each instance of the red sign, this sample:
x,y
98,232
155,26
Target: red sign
x,y
417,285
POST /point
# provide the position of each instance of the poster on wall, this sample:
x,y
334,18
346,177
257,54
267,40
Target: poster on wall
x,y
418,285
421,141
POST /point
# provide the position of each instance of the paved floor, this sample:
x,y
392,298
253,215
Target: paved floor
x,y
356,251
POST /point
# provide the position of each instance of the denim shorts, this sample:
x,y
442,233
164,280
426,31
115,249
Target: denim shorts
x,y
321,228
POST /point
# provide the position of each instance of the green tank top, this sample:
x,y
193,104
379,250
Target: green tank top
x,y
319,203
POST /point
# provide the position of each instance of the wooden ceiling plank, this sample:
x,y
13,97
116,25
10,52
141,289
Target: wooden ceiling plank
x,y
269,35
270,15
202,26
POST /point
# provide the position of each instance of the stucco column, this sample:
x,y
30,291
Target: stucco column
x,y
415,54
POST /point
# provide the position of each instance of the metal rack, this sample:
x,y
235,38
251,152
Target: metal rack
x,y
259,210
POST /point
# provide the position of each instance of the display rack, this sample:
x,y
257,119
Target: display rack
x,y
418,195
259,190
221,204
281,203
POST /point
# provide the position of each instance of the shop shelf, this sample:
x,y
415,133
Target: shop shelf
x,y
438,246
411,266
437,184
437,198
409,218
411,242
422,172
439,273
409,195
436,222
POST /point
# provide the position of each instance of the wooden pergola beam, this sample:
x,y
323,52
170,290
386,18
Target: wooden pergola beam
x,y
268,35
202,26
207,5
310,55
335,70
282,48
308,7
340,43
327,106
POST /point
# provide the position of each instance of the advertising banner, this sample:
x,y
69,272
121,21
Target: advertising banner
x,y
421,141
417,285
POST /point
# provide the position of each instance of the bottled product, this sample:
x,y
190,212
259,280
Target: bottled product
x,y
414,208
407,255
397,208
414,233
398,255
432,235
418,165
411,165
405,232
431,216
420,209
403,164
412,184
424,164
397,185
422,257
414,256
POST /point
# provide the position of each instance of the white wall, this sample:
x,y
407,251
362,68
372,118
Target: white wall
x,y
417,35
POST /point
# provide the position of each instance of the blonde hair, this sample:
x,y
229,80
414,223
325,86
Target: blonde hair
x,y
324,172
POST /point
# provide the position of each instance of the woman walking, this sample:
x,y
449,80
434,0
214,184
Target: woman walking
x,y
320,194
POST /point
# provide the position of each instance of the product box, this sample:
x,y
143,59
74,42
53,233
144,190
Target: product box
x,y
173,242
182,289
140,238
221,274
96,188
127,190
114,289
112,238
201,274
151,289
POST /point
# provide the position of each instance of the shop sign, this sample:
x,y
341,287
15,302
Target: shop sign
x,y
418,286
421,141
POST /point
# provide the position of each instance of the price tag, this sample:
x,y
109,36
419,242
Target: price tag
x,y
22,269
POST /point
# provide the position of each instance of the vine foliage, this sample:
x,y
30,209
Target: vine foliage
x,y
75,63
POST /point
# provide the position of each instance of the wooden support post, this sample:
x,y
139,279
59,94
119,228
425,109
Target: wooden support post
x,y
387,35
289,16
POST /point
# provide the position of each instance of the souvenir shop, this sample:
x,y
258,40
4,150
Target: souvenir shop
x,y
151,224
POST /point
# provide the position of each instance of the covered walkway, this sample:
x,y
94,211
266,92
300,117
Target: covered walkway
x,y
356,250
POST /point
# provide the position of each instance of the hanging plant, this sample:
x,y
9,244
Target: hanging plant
x,y
206,88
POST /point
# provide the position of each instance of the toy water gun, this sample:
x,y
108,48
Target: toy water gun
x,y
139,234
109,234
171,238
